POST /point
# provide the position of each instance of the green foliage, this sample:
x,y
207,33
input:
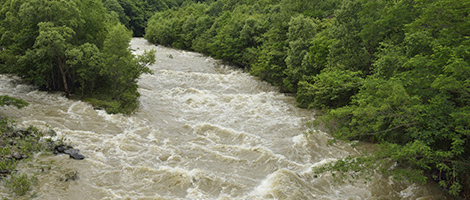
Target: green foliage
x,y
71,46
20,183
117,11
51,45
382,109
9,101
135,14
415,100
17,146
391,72
349,169
301,31
161,29
6,125
122,68
329,89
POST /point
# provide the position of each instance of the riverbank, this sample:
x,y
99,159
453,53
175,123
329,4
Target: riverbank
x,y
21,145
203,131
18,145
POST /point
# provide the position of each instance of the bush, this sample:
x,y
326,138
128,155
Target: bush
x,y
20,183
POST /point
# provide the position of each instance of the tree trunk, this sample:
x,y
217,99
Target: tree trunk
x,y
64,76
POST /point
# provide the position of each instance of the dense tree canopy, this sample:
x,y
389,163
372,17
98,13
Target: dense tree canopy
x,y
72,46
135,14
392,72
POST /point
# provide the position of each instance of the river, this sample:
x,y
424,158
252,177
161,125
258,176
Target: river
x,y
204,130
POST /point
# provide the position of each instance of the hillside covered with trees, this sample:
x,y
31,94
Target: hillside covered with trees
x,y
77,47
135,14
391,72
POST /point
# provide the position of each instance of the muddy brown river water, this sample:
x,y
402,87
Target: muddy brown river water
x,y
203,131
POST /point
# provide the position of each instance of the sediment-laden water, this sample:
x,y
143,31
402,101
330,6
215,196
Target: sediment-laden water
x,y
203,131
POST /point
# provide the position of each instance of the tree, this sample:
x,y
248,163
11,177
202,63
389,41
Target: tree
x,y
270,64
65,45
391,72
51,45
329,89
301,32
121,68
416,103
114,7
86,62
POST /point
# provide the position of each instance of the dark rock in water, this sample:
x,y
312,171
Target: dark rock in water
x,y
61,149
73,153
77,156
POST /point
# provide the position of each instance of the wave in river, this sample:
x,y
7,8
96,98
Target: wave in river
x,y
203,131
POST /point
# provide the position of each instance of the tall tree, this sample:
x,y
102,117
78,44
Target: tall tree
x,y
301,31
52,44
121,67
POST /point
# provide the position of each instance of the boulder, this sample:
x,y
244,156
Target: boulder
x,y
73,153
77,156
61,148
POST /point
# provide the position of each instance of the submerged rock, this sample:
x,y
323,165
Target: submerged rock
x,y
69,176
77,156
69,150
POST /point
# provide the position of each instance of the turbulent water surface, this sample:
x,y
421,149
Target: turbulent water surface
x,y
203,131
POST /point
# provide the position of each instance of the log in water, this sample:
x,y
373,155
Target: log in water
x,y
203,131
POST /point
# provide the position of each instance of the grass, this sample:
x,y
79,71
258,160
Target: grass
x,y
19,146
20,183
101,100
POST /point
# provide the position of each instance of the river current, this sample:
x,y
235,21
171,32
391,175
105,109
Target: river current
x,y
204,130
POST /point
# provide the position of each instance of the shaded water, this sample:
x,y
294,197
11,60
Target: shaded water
x,y
203,131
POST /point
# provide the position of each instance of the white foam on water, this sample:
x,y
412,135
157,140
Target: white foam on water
x,y
203,131
300,140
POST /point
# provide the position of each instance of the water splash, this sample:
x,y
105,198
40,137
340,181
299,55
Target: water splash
x,y
204,131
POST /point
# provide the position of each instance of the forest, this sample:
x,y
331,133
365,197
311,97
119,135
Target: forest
x,y
393,73
80,48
